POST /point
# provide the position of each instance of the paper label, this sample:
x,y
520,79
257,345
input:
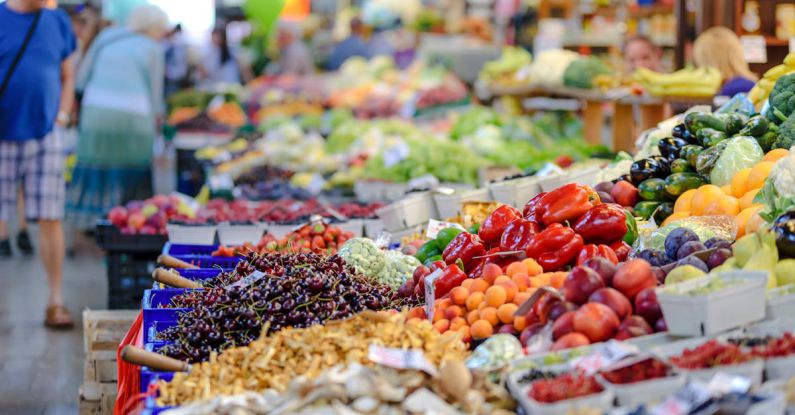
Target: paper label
x,y
396,153
401,358
430,292
604,355
723,383
435,226
693,395
247,280
754,48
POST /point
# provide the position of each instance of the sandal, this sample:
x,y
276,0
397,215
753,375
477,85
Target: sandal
x,y
58,317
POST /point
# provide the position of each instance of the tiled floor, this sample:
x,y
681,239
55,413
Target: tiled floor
x,y
40,369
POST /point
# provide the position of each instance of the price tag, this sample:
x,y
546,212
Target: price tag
x,y
401,358
754,48
723,383
396,153
430,292
435,226
684,400
605,355
247,280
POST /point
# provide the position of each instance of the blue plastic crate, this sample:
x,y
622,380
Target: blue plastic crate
x,y
148,376
206,261
154,327
185,249
153,300
193,274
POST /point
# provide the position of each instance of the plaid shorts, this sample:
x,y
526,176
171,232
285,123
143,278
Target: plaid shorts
x,y
37,165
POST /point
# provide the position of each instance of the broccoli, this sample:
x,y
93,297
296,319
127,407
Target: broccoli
x,y
782,99
580,73
786,133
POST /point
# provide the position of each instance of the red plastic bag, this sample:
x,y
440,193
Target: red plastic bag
x,y
129,384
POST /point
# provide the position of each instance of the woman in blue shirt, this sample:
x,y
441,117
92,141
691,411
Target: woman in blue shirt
x,y
720,48
122,83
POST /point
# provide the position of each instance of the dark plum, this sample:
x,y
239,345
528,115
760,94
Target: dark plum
x,y
718,257
694,261
654,257
718,243
676,238
689,248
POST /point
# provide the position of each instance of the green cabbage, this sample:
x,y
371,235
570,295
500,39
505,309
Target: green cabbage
x,y
740,153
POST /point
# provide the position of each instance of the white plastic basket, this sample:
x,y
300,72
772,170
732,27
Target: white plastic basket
x,y
751,370
632,395
717,311
780,305
450,205
279,230
587,177
372,227
229,234
415,209
602,400
191,234
780,367
515,192
399,234
367,191
393,191
355,226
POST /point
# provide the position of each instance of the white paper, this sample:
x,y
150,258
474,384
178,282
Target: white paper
x,y
435,226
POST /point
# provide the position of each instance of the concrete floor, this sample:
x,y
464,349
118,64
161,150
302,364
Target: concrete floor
x,y
41,369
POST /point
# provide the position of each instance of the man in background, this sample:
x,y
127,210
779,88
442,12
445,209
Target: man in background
x,y
641,52
36,96
353,45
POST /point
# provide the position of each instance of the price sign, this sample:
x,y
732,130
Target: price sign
x,y
401,358
396,153
435,226
605,355
247,280
754,48
430,292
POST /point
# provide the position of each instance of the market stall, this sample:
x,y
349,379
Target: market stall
x,y
584,284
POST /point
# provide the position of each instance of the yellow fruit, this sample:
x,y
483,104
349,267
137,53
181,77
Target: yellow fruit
x,y
683,201
748,199
726,205
740,182
741,220
756,179
774,155
676,216
755,222
726,189
704,196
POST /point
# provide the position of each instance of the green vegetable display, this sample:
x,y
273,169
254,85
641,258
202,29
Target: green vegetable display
x,y
740,152
580,73
363,255
786,134
781,99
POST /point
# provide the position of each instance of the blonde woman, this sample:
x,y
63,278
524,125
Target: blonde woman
x,y
720,48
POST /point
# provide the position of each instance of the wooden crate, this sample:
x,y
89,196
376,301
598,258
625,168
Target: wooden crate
x,y
97,398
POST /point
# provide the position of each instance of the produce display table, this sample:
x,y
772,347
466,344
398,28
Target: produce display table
x,y
190,174
625,125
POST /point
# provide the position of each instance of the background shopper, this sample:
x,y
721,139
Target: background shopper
x,y
36,93
122,84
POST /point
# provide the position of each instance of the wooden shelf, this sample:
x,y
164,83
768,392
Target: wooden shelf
x,y
774,41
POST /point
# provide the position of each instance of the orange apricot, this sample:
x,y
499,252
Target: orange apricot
x,y
452,312
490,314
505,312
457,323
521,297
481,329
479,285
473,316
533,268
459,295
515,268
496,296
519,322
491,271
442,325
474,300
511,289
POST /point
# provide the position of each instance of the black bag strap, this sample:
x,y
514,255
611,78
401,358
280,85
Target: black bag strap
x,y
21,52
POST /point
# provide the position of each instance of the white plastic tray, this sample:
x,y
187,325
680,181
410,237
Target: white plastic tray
x,y
780,306
780,367
355,226
413,210
368,191
189,234
717,311
587,177
372,227
278,230
752,370
450,205
602,400
515,192
229,234
634,394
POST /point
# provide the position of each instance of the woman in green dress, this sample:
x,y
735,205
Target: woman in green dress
x,y
121,79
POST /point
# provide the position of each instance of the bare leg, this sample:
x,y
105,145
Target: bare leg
x,y
3,230
22,219
51,249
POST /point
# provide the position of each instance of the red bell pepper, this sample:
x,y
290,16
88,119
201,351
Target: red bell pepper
x,y
622,250
532,209
566,203
604,223
451,277
465,246
589,251
492,228
518,234
554,247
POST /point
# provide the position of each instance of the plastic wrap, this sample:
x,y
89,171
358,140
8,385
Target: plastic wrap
x,y
741,152
705,227
496,352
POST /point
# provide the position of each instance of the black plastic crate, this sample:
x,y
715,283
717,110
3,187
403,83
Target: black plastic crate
x,y
129,275
110,238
